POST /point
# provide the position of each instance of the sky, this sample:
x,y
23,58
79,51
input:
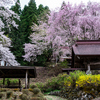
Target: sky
x,y
55,4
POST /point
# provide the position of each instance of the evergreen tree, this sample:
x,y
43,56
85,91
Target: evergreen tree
x,y
17,44
28,17
43,13
16,37
32,7
40,9
16,8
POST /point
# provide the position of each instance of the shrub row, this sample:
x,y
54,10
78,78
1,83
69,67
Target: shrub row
x,y
76,79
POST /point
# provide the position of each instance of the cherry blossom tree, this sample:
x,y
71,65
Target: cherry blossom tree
x,y
37,45
64,27
5,53
71,23
89,22
5,42
7,3
6,15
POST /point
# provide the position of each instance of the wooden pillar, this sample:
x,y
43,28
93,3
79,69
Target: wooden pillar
x,y
73,59
19,83
3,82
26,78
4,63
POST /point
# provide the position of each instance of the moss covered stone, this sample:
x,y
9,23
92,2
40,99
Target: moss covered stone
x,y
36,90
2,95
24,97
33,86
9,94
25,91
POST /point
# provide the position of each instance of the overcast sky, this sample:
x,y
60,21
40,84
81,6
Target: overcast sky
x,y
52,4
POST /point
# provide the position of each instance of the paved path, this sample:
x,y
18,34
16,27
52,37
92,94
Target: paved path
x,y
49,97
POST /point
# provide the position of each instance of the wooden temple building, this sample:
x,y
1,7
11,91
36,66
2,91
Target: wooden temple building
x,y
86,52
85,56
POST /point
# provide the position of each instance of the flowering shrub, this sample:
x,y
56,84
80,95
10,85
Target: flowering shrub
x,y
88,80
79,85
72,78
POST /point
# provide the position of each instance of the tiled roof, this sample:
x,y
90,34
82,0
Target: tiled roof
x,y
87,47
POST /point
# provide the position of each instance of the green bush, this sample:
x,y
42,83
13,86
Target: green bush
x,y
64,64
60,82
43,58
55,83
12,81
47,86
40,85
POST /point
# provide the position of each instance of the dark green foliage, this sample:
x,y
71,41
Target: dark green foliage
x,y
43,58
16,8
17,44
40,9
55,83
28,17
32,7
8,81
16,37
42,13
64,64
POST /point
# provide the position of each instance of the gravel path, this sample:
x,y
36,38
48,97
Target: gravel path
x,y
54,98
